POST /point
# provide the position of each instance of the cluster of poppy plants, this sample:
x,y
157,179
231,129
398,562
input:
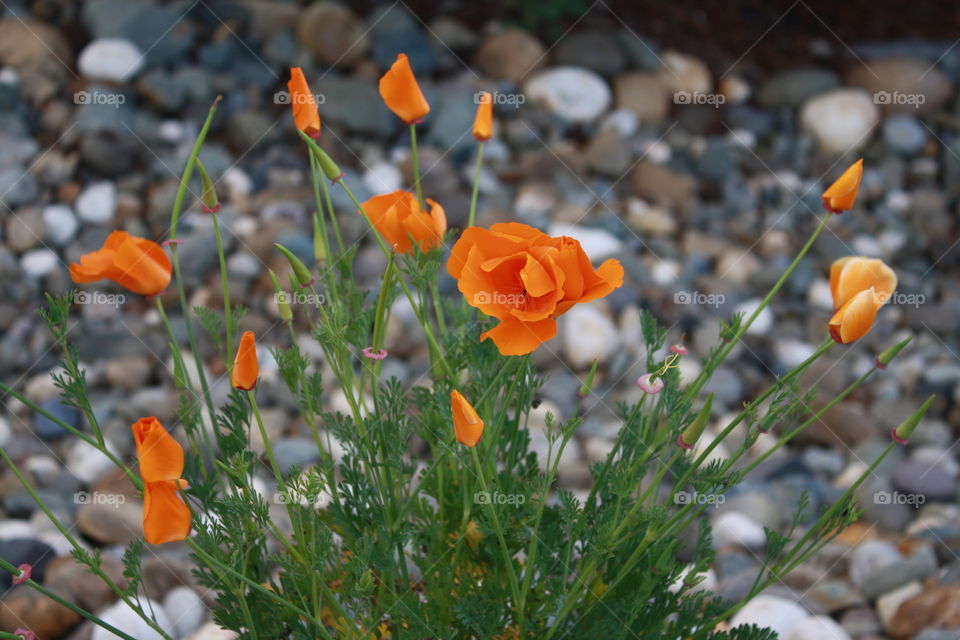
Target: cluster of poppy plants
x,y
512,272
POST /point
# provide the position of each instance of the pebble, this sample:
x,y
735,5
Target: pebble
x,y
511,55
682,72
187,609
295,452
18,551
779,614
792,87
47,428
645,94
936,606
110,59
383,177
97,203
588,335
599,244
840,121
60,223
123,617
37,263
26,608
763,323
211,631
818,628
571,93
738,529
926,478
904,134
903,84
888,603
334,34
114,519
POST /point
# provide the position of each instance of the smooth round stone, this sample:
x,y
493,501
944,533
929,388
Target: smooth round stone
x,y
295,452
870,556
571,93
187,608
60,223
47,428
731,528
926,478
383,177
588,335
818,628
18,551
37,263
123,617
97,203
599,244
110,59
904,133
764,322
840,121
510,55
779,614
682,72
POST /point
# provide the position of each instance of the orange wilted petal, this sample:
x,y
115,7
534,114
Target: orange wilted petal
x,y
483,123
467,424
159,455
854,319
841,195
853,274
401,93
304,103
140,265
246,370
166,518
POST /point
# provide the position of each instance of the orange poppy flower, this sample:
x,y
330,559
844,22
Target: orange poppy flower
x,y
526,279
140,265
483,122
305,112
467,424
860,286
398,217
401,93
246,369
166,517
841,195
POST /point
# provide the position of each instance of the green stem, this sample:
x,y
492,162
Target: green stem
x,y
472,216
227,309
415,157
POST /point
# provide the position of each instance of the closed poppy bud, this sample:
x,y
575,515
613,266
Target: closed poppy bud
x,y
300,270
841,195
327,165
140,265
246,369
319,248
166,518
887,355
692,433
901,435
467,425
401,93
208,193
305,113
860,287
483,122
282,298
588,383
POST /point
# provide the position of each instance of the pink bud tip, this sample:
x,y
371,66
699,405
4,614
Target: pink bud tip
x,y
204,208
337,179
648,384
678,349
896,438
158,294
683,444
24,574
167,243
26,634
878,364
417,121
315,135
368,352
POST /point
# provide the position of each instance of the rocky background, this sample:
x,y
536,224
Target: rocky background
x,y
693,145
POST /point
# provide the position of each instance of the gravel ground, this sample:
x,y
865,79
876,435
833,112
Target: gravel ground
x,y
700,170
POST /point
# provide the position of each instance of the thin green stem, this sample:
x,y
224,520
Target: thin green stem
x,y
415,158
472,216
225,283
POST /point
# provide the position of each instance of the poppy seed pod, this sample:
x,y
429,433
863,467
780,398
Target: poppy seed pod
x,y
901,435
887,355
208,193
691,434
300,271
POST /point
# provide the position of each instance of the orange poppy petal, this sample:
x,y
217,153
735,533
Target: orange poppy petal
x,y
159,455
142,266
859,274
514,337
841,195
401,93
166,518
246,369
305,113
439,217
835,268
854,319
483,122
467,424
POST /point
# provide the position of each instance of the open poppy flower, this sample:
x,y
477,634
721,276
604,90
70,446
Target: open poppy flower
x,y
467,424
166,518
246,369
483,122
398,217
305,113
401,93
860,286
526,279
138,264
841,195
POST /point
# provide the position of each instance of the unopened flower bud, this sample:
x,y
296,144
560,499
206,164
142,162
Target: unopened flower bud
x,y
208,193
300,271
282,298
692,433
889,354
901,435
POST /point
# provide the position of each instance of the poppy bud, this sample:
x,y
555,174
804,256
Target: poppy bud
x,y
319,248
303,276
692,433
888,355
208,194
246,369
901,435
841,195
467,424
588,383
327,165
282,298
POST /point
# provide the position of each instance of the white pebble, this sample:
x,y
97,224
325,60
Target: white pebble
x,y
779,614
110,59
60,223
37,263
97,203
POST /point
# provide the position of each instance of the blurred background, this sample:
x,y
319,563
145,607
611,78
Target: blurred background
x,y
690,140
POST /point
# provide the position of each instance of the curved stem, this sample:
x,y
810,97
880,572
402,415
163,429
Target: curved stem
x,y
227,309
